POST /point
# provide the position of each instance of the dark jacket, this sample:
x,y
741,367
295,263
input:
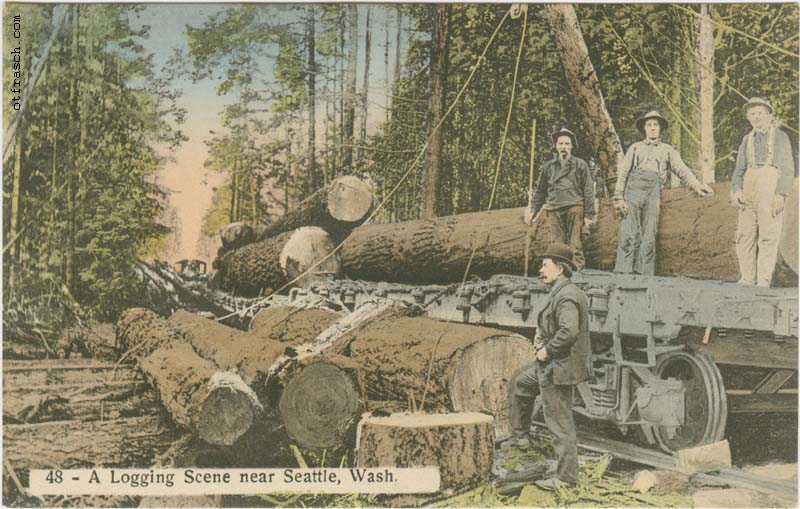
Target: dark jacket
x,y
563,326
560,186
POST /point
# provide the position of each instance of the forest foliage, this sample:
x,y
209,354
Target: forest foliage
x,y
79,199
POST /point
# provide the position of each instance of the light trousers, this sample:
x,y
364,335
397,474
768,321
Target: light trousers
x,y
758,232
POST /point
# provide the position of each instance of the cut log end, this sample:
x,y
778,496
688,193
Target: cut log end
x,y
349,199
320,405
482,373
228,411
226,415
306,248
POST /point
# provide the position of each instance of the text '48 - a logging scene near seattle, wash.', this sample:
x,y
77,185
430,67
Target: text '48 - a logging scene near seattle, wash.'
x,y
400,255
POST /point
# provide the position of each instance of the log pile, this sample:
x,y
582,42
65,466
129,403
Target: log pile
x,y
695,239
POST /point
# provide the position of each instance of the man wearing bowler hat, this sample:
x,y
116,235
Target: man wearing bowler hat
x,y
644,171
759,185
563,359
565,190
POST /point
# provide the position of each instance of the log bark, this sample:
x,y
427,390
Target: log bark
x,y
568,37
292,325
338,208
265,267
75,444
461,445
248,354
438,366
218,406
695,239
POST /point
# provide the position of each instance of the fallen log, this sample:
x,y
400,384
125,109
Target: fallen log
x,y
321,400
338,208
695,239
292,325
218,406
461,445
65,372
315,398
438,366
266,266
75,444
82,402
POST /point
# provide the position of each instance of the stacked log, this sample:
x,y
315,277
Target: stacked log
x,y
695,239
338,208
267,266
218,406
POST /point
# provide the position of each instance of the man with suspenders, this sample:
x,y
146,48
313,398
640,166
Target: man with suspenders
x,y
759,185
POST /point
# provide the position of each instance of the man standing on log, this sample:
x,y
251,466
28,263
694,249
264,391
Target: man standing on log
x,y
565,189
644,171
563,359
759,185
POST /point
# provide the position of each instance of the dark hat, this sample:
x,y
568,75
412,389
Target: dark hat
x,y
564,132
647,116
559,252
757,101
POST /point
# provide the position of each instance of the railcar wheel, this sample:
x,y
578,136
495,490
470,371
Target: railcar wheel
x,y
706,408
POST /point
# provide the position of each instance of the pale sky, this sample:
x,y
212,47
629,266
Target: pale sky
x,y
190,184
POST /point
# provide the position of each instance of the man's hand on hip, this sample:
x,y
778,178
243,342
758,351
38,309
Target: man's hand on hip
x,y
541,354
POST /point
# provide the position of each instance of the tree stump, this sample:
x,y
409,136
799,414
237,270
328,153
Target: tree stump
x,y
461,445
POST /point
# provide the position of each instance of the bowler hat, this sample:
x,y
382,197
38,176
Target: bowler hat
x,y
564,132
757,101
559,252
650,115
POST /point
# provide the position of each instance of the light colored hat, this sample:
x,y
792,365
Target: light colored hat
x,y
564,132
757,101
650,115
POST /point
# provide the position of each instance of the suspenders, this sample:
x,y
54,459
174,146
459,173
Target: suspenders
x,y
751,147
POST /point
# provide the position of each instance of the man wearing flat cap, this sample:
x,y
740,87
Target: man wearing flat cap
x,y
759,185
565,190
563,360
637,196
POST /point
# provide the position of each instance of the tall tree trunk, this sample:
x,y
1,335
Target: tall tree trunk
x,y
69,269
439,61
342,94
350,96
397,49
16,118
386,64
232,215
362,136
313,179
567,34
705,79
15,212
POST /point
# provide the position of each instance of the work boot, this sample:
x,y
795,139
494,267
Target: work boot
x,y
553,483
517,441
